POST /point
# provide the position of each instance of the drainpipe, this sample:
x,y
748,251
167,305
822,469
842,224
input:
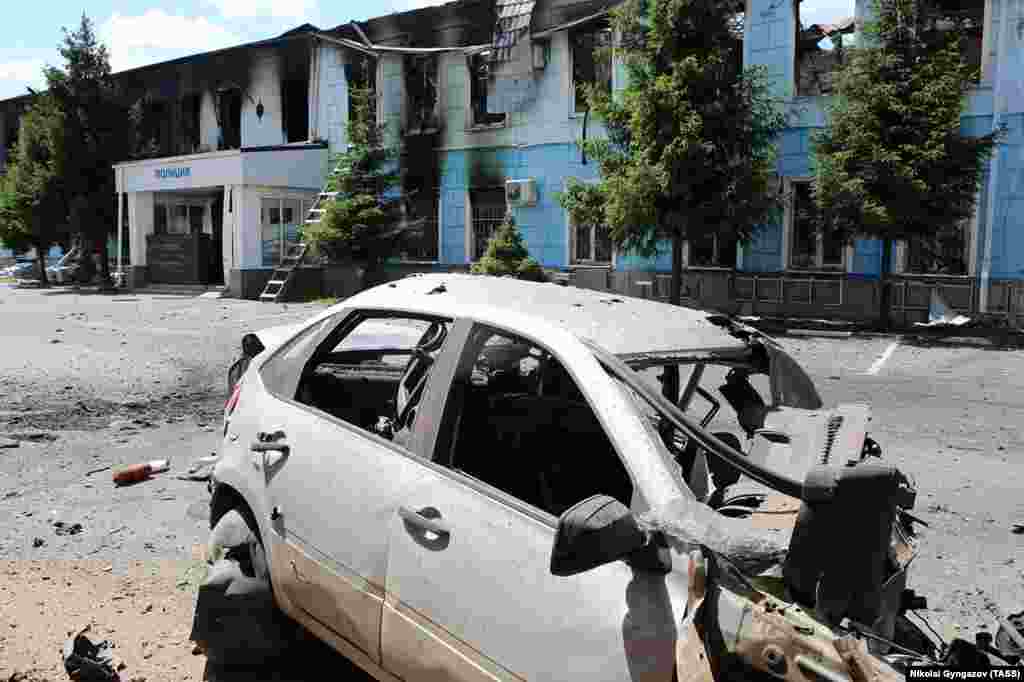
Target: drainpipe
x,y
993,185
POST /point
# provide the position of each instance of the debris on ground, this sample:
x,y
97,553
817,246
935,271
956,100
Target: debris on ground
x,y
140,472
1018,529
201,469
64,528
38,542
8,443
88,662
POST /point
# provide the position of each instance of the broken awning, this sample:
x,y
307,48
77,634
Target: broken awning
x,y
513,19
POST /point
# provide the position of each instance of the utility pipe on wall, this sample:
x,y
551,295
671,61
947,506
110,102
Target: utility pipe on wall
x,y
993,184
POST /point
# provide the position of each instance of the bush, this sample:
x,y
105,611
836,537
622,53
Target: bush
x,y
506,255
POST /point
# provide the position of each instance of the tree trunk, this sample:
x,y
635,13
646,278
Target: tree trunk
x,y
675,292
41,260
884,300
105,283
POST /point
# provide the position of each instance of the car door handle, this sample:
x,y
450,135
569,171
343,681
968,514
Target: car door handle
x,y
417,519
268,453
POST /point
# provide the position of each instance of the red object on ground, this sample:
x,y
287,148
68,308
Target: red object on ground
x,y
140,472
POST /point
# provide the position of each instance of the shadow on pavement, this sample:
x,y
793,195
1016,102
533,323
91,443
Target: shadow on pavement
x,y
310,661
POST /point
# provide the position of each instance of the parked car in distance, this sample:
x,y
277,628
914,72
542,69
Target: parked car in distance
x,y
455,477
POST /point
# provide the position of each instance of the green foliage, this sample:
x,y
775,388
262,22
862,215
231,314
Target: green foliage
x,y
366,221
96,122
32,193
892,163
690,146
507,255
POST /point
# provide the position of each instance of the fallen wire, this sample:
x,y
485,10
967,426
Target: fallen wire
x,y
96,471
929,626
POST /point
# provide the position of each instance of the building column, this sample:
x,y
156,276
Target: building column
x,y
140,226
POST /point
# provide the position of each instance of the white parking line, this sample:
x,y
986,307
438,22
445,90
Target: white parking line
x,y
882,358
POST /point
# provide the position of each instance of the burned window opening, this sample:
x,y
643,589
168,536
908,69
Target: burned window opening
x,y
591,61
480,66
295,109
229,118
421,88
488,210
190,131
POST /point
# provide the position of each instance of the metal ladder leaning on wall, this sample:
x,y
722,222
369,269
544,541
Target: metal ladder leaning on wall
x,y
285,272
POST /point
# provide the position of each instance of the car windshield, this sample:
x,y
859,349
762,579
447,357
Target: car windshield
x,y
697,407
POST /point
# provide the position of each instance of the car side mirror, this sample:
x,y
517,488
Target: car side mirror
x,y
251,345
598,531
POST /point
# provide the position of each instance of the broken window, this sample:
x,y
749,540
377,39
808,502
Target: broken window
x,y
295,112
517,421
480,65
713,251
421,88
488,208
372,372
190,123
592,244
591,61
810,246
229,118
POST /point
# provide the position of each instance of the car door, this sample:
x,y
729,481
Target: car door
x,y
332,485
469,592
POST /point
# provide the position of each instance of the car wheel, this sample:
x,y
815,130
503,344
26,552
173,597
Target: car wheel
x,y
237,622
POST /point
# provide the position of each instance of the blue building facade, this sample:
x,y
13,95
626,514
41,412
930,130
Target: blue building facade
x,y
788,267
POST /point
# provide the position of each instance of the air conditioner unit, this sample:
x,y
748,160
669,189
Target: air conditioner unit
x,y
521,192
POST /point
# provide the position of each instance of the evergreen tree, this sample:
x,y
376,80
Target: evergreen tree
x,y
892,163
506,255
691,140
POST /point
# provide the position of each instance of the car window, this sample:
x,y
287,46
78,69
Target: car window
x,y
372,371
280,373
516,420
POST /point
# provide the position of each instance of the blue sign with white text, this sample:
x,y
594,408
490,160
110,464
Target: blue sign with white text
x,y
165,173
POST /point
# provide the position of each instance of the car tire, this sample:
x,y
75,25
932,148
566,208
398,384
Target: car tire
x,y
237,622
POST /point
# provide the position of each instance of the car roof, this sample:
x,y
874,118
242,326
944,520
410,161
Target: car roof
x,y
622,325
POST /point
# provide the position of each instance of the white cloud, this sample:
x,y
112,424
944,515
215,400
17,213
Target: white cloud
x,y
17,74
297,11
157,36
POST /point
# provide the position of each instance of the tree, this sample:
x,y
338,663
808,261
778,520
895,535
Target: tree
x,y
892,163
691,141
98,126
32,193
367,221
507,255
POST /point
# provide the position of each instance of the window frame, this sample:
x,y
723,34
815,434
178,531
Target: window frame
x,y
439,452
598,24
473,82
570,237
304,205
716,255
789,236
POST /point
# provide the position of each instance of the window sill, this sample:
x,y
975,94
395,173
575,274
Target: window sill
x,y
590,266
476,128
708,268
838,270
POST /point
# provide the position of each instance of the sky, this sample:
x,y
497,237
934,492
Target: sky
x,y
137,32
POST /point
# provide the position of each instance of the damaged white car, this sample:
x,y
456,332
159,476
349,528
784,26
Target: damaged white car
x,y
453,477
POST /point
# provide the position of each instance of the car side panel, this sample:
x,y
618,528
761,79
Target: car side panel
x,y
482,603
